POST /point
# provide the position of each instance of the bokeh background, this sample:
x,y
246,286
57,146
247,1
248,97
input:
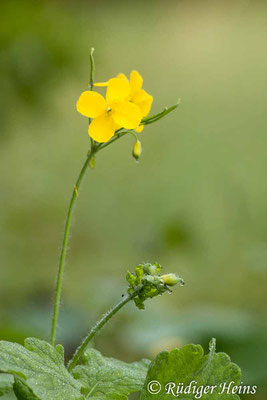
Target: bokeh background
x,y
196,202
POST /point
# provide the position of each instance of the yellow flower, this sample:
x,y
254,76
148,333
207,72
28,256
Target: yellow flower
x,y
137,95
116,111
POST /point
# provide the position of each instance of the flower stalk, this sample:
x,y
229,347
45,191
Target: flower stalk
x,y
65,245
144,284
99,325
90,161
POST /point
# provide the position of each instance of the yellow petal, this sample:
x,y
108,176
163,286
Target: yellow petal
x,y
101,84
102,128
117,126
91,104
140,128
144,101
136,82
121,75
127,115
118,89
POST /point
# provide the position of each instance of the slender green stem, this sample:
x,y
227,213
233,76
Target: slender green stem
x,y
94,149
156,117
118,135
65,245
90,155
103,320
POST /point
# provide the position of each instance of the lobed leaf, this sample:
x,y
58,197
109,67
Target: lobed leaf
x,y
190,364
109,379
6,383
22,391
41,367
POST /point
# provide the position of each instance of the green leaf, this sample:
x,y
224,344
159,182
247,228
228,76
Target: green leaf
x,y
42,367
107,378
22,391
189,364
6,383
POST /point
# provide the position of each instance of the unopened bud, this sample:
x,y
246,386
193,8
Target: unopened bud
x,y
171,279
152,269
137,150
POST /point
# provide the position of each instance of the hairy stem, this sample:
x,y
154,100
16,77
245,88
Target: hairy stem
x,y
103,320
65,245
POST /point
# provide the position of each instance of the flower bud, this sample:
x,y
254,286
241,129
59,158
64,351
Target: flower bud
x,y
155,280
171,279
137,150
151,269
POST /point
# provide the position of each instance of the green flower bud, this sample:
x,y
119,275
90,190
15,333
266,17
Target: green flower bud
x,y
150,283
154,280
137,150
171,279
152,269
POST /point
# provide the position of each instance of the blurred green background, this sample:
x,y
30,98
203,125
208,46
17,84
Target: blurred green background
x,y
196,202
